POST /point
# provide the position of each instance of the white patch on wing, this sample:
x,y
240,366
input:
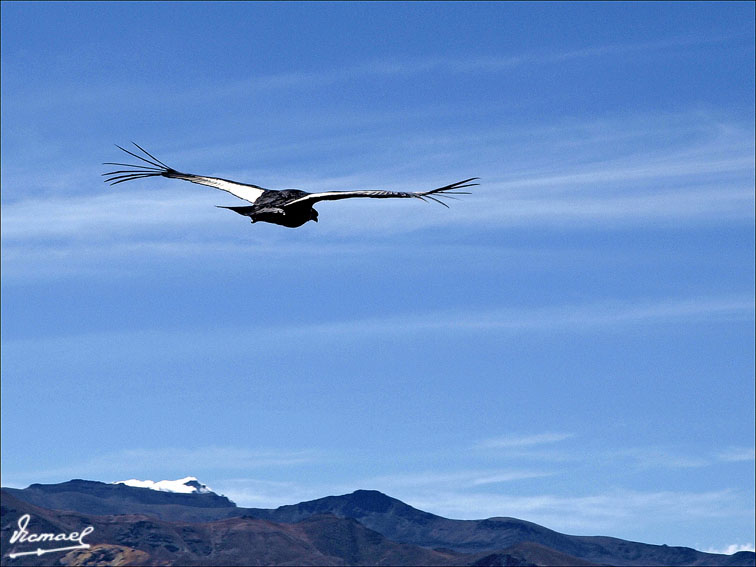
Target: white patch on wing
x,y
247,192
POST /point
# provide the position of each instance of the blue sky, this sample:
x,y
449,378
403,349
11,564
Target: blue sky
x,y
572,344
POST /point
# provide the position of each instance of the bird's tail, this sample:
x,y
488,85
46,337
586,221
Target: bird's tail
x,y
243,210
154,167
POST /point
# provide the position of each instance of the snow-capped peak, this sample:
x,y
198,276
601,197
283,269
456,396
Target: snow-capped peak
x,y
187,485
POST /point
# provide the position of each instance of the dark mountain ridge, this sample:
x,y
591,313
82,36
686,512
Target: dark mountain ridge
x,y
389,517
400,522
135,539
123,492
93,497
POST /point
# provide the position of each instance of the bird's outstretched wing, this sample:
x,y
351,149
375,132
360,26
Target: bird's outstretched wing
x,y
156,168
433,195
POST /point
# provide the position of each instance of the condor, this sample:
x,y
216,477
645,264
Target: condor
x,y
287,207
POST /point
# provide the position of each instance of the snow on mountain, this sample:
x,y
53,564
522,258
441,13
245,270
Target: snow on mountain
x,y
187,485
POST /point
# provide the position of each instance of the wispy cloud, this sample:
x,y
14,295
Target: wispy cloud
x,y
464,479
705,177
574,318
389,68
737,454
560,319
168,462
658,457
102,216
563,319
732,548
197,91
562,199
536,447
516,441
599,511
263,493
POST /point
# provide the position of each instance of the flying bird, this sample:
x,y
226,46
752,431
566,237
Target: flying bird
x,y
287,207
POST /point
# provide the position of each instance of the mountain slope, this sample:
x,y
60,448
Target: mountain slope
x,y
318,540
394,520
92,497
401,522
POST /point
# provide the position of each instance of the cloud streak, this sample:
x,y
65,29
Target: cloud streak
x,y
557,177
166,462
731,549
457,479
600,511
737,455
564,319
518,441
503,203
687,168
196,92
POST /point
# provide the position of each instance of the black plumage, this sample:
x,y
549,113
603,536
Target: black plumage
x,y
287,207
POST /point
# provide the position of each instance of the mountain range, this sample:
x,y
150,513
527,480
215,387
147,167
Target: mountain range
x,y
136,525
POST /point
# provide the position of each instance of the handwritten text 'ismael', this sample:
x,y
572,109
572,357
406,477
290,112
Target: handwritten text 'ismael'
x,y
23,535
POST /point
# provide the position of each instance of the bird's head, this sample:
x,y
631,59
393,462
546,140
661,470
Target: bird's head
x,y
313,215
